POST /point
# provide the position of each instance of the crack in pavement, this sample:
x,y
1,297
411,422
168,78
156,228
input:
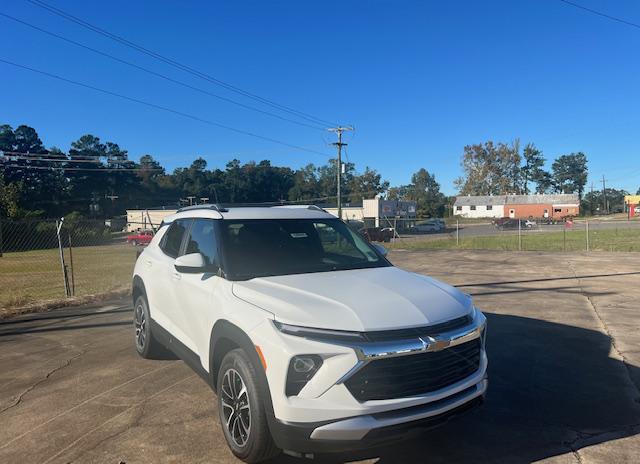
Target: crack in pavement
x,y
31,387
583,439
125,428
57,416
605,327
76,441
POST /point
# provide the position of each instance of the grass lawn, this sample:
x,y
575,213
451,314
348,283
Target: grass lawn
x,y
574,240
36,276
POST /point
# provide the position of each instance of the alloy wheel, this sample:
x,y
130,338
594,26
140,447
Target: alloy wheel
x,y
140,323
235,407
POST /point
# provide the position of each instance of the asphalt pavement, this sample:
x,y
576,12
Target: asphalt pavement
x,y
564,372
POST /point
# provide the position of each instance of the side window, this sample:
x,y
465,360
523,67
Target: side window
x,y
173,238
202,240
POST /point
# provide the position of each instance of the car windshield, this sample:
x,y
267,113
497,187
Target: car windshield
x,y
270,247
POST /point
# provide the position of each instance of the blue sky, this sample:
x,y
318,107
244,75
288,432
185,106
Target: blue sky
x,y
418,79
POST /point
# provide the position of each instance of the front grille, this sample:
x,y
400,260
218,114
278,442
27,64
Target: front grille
x,y
413,332
415,374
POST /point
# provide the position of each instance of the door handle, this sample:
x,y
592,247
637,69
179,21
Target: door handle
x,y
177,276
148,262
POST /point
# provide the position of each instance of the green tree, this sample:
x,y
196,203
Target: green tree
x,y
10,198
490,169
27,140
366,185
533,169
593,202
569,173
305,184
425,191
328,180
7,138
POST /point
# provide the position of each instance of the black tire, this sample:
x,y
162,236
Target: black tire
x,y
146,345
241,409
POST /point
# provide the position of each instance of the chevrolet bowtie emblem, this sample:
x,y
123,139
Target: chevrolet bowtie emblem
x,y
435,344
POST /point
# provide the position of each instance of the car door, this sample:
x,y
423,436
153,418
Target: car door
x,y
199,292
164,299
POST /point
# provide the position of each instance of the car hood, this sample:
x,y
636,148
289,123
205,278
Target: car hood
x,y
359,300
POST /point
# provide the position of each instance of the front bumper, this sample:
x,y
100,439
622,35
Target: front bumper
x,y
325,416
374,430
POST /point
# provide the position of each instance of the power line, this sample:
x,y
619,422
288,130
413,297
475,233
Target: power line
x,y
43,157
175,63
62,168
157,74
599,13
162,108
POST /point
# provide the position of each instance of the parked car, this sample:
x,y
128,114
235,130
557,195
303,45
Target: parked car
x,y
512,224
636,210
430,225
312,340
378,234
142,237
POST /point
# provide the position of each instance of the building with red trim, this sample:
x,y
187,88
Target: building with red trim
x,y
556,206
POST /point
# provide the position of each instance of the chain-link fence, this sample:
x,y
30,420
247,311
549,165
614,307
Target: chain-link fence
x,y
520,235
42,260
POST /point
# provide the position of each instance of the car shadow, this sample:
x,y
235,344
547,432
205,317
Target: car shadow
x,y
553,389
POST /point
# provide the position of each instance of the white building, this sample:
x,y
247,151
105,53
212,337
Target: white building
x,y
379,212
146,219
489,206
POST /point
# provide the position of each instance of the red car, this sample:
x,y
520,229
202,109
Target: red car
x,y
143,237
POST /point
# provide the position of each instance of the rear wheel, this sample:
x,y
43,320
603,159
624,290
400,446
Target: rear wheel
x,y
146,345
241,411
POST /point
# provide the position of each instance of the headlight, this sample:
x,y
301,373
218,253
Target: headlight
x,y
319,334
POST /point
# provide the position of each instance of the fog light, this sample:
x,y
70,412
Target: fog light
x,y
303,365
301,369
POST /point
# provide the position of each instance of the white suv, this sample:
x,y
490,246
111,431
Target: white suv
x,y
312,340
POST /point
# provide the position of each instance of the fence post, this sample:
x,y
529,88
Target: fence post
x,y
587,228
65,279
457,232
564,238
73,276
519,235
1,239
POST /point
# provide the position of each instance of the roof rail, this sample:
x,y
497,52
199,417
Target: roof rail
x,y
214,207
312,207
267,204
224,208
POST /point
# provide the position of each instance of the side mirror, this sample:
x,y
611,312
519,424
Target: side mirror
x,y
192,263
382,250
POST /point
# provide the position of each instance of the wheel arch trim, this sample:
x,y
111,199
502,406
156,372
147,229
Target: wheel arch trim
x,y
226,330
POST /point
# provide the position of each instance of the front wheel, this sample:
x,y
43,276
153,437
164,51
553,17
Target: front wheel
x,y
242,415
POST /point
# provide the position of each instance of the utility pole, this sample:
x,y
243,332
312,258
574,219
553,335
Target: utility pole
x,y
604,195
592,199
339,130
